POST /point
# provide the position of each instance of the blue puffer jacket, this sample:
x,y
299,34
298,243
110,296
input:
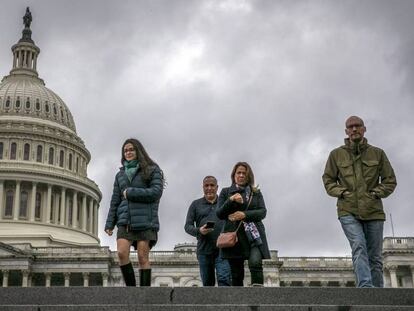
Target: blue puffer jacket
x,y
140,209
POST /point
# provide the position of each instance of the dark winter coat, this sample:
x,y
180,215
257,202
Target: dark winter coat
x,y
140,210
255,213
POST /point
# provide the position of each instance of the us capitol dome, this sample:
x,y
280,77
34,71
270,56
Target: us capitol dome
x,y
46,197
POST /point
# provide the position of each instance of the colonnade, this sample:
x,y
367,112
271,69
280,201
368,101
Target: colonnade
x,y
26,280
48,204
392,270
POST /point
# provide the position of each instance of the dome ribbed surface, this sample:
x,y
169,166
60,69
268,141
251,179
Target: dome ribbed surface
x,y
24,95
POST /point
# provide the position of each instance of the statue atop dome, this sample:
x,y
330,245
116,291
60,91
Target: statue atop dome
x,y
27,18
27,32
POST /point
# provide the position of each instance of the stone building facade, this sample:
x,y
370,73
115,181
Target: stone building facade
x,y
49,207
25,265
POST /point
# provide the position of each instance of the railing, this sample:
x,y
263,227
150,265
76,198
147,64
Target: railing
x,y
323,262
398,243
67,251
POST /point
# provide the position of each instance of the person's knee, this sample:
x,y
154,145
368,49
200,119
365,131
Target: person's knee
x,y
143,259
123,255
256,266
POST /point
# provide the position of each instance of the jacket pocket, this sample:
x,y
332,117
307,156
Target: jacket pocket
x,y
370,167
345,168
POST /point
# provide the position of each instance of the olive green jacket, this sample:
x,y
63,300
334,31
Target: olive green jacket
x,y
359,175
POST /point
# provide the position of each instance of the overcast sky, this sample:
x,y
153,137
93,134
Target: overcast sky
x,y
204,84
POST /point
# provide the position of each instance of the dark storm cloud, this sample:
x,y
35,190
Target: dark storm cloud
x,y
204,84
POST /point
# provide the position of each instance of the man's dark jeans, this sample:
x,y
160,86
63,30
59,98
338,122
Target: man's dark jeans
x,y
209,264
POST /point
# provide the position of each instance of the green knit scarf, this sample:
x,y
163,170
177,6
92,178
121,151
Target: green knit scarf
x,y
131,168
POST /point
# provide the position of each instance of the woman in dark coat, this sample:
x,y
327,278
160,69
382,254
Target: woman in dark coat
x,y
137,191
234,207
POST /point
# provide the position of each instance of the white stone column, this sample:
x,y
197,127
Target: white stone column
x,y
324,283
75,210
1,198
412,274
16,201
68,211
90,229
25,279
393,276
46,217
48,277
33,202
62,207
95,218
84,214
85,279
288,283
56,208
67,279
105,277
5,278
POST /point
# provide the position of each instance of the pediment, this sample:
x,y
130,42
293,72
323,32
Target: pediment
x,y
7,251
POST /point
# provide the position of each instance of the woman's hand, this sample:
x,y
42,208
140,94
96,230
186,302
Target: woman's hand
x,y
237,198
236,216
109,232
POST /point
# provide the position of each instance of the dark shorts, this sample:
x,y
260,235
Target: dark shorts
x,y
135,236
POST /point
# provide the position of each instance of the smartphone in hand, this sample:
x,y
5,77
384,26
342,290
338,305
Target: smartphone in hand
x,y
210,224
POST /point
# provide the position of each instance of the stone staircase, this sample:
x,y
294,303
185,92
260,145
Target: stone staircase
x,y
180,298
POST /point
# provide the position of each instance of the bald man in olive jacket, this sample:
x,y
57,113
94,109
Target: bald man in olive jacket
x,y
360,176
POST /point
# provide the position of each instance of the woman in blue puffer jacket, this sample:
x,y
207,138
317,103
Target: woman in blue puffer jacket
x,y
137,191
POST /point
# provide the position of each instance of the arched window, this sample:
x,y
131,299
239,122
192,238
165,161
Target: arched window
x,y
37,104
61,158
26,152
8,211
28,103
47,107
18,102
1,150
39,155
70,161
38,205
24,196
77,165
13,151
7,102
51,155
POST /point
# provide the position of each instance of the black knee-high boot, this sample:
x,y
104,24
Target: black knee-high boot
x,y
145,277
128,274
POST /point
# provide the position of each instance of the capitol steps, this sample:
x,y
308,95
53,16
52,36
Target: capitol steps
x,y
160,298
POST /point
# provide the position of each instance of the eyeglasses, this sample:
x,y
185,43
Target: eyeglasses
x,y
129,150
357,126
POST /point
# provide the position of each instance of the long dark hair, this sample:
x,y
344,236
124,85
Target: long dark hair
x,y
249,173
142,156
